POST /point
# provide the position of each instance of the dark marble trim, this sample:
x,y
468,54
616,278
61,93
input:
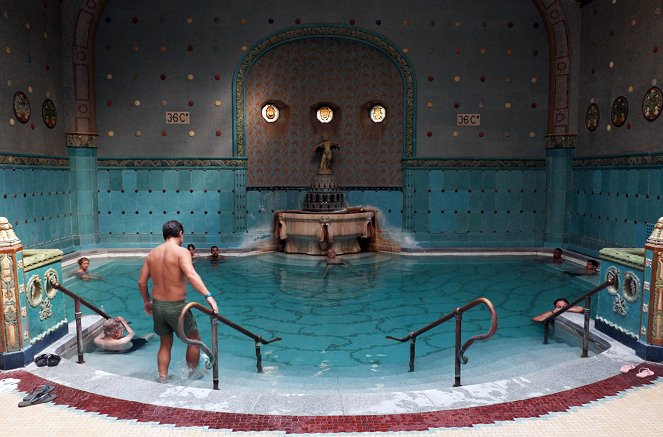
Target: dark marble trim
x,y
473,163
308,188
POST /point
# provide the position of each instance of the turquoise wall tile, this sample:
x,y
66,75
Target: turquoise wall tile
x,y
166,181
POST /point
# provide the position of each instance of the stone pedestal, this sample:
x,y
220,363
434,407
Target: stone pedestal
x,y
32,313
653,284
324,195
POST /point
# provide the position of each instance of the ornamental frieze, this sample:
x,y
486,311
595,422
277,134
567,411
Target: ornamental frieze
x,y
33,161
472,163
620,161
171,163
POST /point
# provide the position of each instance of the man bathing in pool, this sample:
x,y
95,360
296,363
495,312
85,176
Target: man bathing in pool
x,y
169,266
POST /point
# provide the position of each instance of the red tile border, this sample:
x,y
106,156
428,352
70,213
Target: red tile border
x,y
462,417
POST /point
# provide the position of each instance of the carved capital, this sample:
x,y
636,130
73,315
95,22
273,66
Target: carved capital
x,y
79,139
563,141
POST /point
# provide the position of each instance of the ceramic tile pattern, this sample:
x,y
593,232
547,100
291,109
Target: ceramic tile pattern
x,y
581,401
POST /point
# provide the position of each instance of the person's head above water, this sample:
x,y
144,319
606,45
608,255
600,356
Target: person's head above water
x,y
172,229
191,248
113,328
560,303
557,253
592,264
83,264
214,251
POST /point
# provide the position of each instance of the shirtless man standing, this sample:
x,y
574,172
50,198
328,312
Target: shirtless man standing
x,y
169,266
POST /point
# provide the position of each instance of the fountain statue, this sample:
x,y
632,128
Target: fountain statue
x,y
324,221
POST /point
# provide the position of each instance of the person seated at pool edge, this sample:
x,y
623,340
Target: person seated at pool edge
x,y
169,266
112,336
215,255
559,304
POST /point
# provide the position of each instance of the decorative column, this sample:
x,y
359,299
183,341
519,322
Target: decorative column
x,y
559,185
11,275
408,199
653,285
82,151
240,201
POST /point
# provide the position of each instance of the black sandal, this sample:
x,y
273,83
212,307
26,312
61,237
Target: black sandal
x,y
52,360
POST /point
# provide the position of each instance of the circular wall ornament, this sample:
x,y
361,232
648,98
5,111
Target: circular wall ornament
x,y
652,103
613,273
325,114
49,114
592,117
619,111
270,113
34,291
378,113
631,288
21,107
50,291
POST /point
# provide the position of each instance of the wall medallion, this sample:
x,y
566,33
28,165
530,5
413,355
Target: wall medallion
x,y
34,291
619,111
49,114
592,117
652,103
21,107
50,290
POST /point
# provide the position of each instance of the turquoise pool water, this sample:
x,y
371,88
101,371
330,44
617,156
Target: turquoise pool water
x,y
334,325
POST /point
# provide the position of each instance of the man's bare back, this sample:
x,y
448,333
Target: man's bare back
x,y
168,280
169,266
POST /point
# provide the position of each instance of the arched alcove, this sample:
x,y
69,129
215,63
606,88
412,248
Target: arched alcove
x,y
304,75
344,42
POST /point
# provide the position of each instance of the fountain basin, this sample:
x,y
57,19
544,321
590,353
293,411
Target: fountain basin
x,y
313,233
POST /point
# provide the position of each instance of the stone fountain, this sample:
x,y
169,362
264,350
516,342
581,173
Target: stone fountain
x,y
324,222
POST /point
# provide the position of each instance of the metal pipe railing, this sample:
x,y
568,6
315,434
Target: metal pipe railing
x,y
77,311
213,354
585,333
459,350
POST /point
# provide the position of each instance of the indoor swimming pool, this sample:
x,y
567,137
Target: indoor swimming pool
x,y
334,322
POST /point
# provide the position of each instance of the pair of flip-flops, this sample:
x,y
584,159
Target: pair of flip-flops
x,y
643,372
50,360
38,395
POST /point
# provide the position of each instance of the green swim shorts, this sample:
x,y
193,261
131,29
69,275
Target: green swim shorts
x,y
165,315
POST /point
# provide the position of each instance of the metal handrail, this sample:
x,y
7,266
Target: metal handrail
x,y
77,311
460,350
585,333
213,354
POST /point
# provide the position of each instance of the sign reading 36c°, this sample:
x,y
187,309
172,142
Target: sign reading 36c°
x,y
468,120
177,117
